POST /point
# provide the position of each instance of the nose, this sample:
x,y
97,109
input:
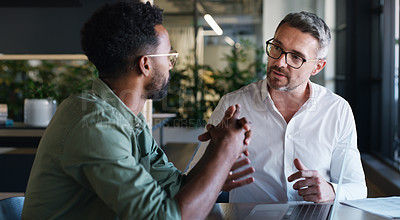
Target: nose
x,y
281,61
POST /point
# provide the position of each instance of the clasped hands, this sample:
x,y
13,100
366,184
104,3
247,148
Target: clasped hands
x,y
310,184
237,133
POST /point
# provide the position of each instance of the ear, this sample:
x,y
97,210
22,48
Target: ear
x,y
318,67
144,65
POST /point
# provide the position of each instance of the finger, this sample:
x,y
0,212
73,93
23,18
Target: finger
x,y
232,185
230,112
246,152
206,135
304,183
244,123
241,174
311,194
294,176
247,138
299,165
237,112
302,174
308,191
240,163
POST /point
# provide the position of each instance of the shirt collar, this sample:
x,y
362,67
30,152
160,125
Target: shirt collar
x,y
265,93
100,88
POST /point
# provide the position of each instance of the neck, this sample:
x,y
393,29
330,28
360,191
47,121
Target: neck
x,y
296,95
129,92
289,102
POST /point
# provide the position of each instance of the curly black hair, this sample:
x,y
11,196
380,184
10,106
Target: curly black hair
x,y
117,34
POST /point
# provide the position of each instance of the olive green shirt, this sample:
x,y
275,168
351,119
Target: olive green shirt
x,y
97,160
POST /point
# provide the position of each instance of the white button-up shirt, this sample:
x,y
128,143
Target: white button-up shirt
x,y
317,134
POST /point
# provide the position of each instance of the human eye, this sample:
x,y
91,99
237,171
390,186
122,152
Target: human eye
x,y
276,48
296,58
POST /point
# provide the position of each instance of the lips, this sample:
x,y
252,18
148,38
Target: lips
x,y
278,74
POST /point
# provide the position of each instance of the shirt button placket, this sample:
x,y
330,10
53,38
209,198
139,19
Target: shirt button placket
x,y
289,153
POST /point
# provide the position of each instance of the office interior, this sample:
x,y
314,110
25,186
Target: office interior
x,y
363,68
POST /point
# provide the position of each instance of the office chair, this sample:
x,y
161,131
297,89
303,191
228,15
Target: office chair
x,y
11,208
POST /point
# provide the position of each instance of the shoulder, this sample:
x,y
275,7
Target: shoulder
x,y
89,106
89,117
325,95
326,101
93,128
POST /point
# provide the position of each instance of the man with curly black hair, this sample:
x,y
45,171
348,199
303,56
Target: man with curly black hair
x,y
97,158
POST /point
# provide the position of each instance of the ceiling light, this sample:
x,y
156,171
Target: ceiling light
x,y
210,20
229,41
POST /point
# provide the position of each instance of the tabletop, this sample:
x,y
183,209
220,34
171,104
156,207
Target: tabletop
x,y
240,211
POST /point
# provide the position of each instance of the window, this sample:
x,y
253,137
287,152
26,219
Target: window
x,y
388,44
396,153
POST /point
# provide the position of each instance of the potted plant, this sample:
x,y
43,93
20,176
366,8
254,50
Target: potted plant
x,y
40,96
50,81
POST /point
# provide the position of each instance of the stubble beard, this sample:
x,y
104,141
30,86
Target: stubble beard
x,y
272,82
157,88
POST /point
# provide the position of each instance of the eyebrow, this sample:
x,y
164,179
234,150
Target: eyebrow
x,y
293,51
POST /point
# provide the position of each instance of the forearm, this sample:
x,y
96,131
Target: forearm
x,y
204,182
197,168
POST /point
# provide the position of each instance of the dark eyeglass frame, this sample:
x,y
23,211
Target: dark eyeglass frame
x,y
269,42
174,54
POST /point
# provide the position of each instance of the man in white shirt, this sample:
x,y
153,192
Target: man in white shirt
x,y
300,129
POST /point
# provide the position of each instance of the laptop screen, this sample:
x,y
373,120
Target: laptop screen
x,y
339,186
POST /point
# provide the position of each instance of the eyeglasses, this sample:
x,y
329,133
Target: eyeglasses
x,y
172,56
292,59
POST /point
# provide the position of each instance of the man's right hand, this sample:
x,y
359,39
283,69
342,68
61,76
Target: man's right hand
x,y
234,179
228,140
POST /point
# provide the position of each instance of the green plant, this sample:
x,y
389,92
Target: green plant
x,y
240,71
41,79
76,78
195,90
39,90
12,76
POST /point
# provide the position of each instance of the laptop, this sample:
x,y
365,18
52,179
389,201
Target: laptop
x,y
301,210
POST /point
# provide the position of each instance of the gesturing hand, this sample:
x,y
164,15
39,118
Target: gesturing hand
x,y
313,187
232,181
232,113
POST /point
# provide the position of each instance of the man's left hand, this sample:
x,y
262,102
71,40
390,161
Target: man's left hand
x,y
234,179
313,187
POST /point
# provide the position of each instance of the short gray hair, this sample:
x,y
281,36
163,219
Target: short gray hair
x,y
308,22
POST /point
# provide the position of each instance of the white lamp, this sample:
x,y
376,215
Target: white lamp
x,y
210,20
